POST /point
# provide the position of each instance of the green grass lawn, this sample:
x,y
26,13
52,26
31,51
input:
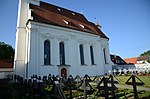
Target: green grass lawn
x,y
145,79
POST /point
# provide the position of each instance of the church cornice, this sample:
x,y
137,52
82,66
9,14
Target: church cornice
x,y
33,30
48,35
62,29
62,38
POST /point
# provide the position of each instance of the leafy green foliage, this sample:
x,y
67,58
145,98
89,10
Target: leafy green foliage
x,y
6,51
147,53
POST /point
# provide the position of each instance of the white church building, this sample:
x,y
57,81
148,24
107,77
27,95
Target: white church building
x,y
55,40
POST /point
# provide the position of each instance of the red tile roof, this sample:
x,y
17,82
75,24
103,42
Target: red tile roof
x,y
131,60
6,63
54,15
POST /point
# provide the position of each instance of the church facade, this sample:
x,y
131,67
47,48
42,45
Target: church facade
x,y
51,39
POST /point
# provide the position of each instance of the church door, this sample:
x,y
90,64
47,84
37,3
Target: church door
x,y
64,73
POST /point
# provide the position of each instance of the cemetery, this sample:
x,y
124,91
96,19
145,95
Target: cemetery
x,y
60,54
96,87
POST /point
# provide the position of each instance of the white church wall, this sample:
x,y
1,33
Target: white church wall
x,y
72,40
108,64
20,49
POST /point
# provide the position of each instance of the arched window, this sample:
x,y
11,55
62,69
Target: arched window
x,y
62,53
47,52
81,54
104,52
92,55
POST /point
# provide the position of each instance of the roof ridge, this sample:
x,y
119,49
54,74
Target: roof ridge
x,y
60,7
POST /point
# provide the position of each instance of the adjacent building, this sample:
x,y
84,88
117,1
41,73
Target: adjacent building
x,y
6,67
141,62
138,60
120,64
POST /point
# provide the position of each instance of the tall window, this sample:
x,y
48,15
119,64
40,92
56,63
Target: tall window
x,y
47,52
92,55
104,51
81,54
62,53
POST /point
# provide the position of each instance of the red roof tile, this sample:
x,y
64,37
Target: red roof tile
x,y
131,60
54,15
6,63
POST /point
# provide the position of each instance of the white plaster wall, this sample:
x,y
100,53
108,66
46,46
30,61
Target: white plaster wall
x,y
108,65
4,72
142,66
72,39
20,51
20,59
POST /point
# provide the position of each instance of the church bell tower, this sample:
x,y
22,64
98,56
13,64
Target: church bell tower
x,y
20,60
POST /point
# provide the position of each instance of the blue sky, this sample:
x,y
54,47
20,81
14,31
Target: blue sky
x,y
125,22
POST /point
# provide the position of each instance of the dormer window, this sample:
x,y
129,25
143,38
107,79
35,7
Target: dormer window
x,y
81,25
85,27
68,23
73,13
58,9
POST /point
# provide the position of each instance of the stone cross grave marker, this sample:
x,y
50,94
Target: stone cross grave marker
x,y
114,71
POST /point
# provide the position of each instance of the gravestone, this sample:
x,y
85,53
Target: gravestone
x,y
110,72
96,79
105,87
62,81
114,72
120,72
78,81
85,85
134,84
71,84
58,78
57,92
139,71
84,88
40,87
87,78
130,71
114,79
125,71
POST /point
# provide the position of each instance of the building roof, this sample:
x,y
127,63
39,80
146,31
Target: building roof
x,y
131,60
117,60
6,63
54,15
143,58
134,60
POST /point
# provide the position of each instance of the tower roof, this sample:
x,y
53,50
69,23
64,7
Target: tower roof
x,y
54,15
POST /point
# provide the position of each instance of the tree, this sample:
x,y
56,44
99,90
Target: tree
x,y
147,53
6,51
